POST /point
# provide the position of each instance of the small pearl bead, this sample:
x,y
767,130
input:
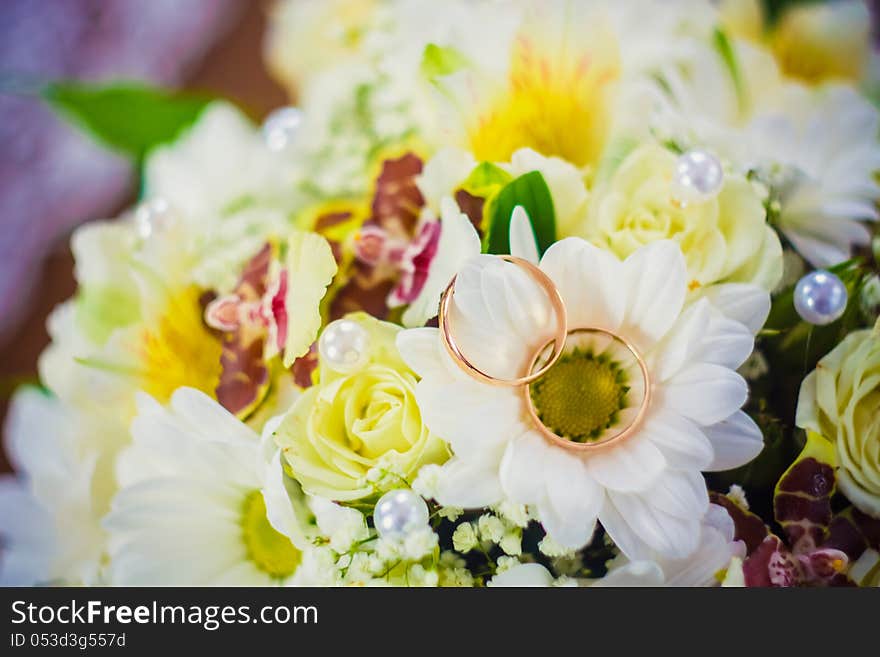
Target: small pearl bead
x,y
820,298
151,216
280,128
398,512
698,177
343,345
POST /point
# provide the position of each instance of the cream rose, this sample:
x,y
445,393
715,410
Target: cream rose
x,y
840,400
724,239
350,423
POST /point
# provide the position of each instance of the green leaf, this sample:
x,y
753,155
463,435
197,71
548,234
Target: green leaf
x,y
439,61
531,192
127,116
725,49
485,180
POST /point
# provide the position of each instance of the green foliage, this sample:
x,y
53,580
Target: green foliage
x,y
439,61
127,116
531,192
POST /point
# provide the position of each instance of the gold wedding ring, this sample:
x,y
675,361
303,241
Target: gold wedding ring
x,y
627,431
558,340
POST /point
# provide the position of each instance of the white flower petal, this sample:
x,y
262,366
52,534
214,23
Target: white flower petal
x,y
458,243
468,484
635,573
631,465
656,278
705,393
500,315
735,441
573,499
522,236
524,574
683,444
523,468
590,281
680,493
638,528
747,304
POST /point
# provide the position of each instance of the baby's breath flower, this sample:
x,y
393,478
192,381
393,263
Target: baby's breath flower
x,y
388,550
515,514
551,548
451,513
427,481
419,543
418,575
464,538
505,563
511,542
491,528
570,564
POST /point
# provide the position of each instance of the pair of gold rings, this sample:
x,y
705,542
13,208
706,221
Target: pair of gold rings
x,y
558,343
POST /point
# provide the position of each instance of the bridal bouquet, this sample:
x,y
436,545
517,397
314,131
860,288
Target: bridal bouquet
x,y
575,293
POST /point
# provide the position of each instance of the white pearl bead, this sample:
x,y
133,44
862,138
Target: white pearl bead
x,y
343,345
280,128
151,216
698,177
398,512
820,297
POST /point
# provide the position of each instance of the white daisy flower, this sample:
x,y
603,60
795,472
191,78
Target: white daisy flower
x,y
825,178
645,489
50,510
203,501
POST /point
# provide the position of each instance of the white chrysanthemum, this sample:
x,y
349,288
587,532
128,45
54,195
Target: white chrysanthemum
x,y
50,511
203,501
825,178
646,489
743,109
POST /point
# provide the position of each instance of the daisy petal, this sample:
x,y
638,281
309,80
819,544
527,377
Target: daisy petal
x,y
469,484
735,441
680,493
705,393
636,573
637,526
744,303
500,315
523,460
589,281
522,236
683,444
656,278
633,465
573,499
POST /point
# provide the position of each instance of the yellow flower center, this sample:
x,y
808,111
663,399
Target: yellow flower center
x,y
179,350
581,395
558,106
271,551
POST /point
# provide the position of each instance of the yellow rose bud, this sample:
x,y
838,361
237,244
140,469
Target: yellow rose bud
x,y
724,239
840,400
352,423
